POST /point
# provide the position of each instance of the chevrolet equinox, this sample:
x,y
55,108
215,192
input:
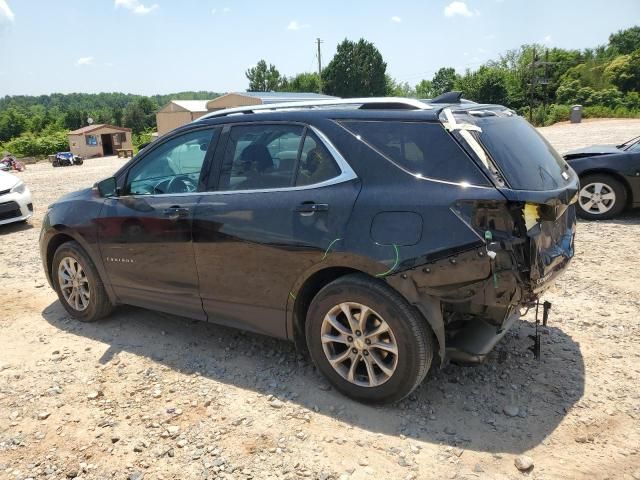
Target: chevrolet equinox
x,y
378,234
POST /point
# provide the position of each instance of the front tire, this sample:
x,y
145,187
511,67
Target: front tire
x,y
367,340
601,197
78,284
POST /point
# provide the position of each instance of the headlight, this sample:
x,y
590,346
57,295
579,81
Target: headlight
x,y
20,187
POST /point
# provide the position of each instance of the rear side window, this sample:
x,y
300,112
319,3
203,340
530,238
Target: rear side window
x,y
421,148
528,161
267,156
260,157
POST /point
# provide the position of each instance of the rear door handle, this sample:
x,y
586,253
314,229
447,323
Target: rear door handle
x,y
311,208
175,212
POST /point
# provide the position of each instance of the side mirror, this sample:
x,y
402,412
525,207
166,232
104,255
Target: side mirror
x,y
107,187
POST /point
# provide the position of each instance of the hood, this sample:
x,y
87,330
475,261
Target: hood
x,y
7,181
84,193
591,151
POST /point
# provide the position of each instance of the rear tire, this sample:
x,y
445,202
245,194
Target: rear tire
x,y
78,284
601,197
380,358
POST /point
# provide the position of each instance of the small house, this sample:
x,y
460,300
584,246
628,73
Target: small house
x,y
179,112
99,140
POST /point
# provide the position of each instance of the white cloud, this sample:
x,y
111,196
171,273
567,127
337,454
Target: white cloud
x,y
5,12
213,11
85,61
136,7
547,40
226,10
458,8
396,19
295,25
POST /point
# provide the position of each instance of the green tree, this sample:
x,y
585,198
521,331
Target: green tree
x,y
624,42
12,124
303,82
399,89
486,85
424,89
624,72
74,119
140,115
356,70
263,78
443,81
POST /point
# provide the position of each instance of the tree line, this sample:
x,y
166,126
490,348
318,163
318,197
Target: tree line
x,y
37,125
604,79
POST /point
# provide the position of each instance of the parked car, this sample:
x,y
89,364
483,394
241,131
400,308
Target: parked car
x,y
15,199
609,178
376,233
66,159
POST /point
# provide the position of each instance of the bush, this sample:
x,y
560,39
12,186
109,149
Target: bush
x,y
138,139
560,113
30,145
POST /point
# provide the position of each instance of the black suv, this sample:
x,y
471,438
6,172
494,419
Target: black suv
x,y
376,233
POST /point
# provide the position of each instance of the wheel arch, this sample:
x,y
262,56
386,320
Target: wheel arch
x,y
62,236
429,308
298,302
612,173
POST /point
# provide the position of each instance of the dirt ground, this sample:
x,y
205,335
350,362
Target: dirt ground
x,y
148,395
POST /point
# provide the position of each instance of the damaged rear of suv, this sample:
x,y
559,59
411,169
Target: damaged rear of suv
x,y
378,234
484,224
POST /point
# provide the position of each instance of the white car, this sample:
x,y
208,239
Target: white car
x,y
15,199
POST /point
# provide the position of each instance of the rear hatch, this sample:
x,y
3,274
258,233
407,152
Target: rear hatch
x,y
540,188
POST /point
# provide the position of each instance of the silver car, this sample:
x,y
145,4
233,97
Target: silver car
x,y
15,199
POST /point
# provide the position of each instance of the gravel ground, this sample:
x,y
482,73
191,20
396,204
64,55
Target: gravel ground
x,y
149,395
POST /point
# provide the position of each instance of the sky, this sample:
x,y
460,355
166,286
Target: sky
x,y
165,46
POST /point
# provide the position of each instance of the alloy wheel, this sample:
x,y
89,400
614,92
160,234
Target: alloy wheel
x,y
74,283
359,344
597,198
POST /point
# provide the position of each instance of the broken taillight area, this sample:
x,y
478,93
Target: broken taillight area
x,y
524,247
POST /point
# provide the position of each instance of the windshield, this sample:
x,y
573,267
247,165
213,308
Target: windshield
x,y
526,159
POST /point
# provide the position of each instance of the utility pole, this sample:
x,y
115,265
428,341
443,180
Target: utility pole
x,y
537,79
533,77
319,66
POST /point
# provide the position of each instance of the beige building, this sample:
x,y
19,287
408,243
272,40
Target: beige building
x,y
179,112
99,140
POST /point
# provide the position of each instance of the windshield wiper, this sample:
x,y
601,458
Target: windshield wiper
x,y
628,144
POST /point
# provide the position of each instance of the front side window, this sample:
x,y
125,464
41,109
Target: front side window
x,y
421,148
260,157
92,140
173,167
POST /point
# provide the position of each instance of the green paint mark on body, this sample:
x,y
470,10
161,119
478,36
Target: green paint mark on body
x,y
384,274
326,252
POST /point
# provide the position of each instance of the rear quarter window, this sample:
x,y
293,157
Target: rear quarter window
x,y
420,148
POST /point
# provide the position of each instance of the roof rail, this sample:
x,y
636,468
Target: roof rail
x,y
384,103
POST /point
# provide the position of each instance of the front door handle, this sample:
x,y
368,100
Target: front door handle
x,y
174,213
309,208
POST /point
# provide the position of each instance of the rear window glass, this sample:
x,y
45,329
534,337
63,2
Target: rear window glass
x,y
419,147
525,157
